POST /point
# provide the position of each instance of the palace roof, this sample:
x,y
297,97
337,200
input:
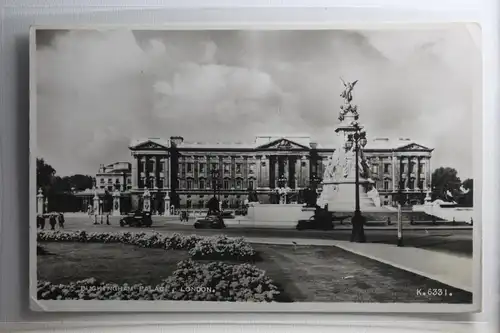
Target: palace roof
x,y
272,141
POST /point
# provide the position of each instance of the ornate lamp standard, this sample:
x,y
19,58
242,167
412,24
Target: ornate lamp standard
x,y
358,140
175,141
215,181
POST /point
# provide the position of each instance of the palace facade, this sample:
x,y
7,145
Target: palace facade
x,y
264,165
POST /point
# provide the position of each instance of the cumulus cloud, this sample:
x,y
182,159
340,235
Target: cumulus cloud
x,y
98,90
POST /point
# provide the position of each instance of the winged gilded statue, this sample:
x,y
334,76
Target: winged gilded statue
x,y
347,93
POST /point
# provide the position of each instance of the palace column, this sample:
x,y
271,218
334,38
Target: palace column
x,y
305,171
418,173
297,174
291,171
135,172
272,172
166,172
264,172
286,170
393,173
157,170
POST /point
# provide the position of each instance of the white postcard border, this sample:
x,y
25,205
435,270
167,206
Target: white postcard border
x,y
235,307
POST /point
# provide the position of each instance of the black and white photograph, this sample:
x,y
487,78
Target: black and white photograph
x,y
273,168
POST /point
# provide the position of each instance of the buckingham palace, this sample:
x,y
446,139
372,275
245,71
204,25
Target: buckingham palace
x,y
229,170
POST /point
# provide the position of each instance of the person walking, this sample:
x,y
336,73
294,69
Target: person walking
x,y
52,221
61,220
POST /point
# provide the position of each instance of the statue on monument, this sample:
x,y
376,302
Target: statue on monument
x,y
347,96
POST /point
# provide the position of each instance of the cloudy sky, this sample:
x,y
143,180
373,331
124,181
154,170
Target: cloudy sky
x,y
98,90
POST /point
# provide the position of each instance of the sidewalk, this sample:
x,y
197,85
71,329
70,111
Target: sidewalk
x,y
449,269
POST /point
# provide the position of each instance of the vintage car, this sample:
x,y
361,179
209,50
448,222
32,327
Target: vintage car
x,y
321,220
137,219
210,222
227,214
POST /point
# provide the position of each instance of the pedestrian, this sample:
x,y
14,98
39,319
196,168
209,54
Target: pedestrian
x,y
107,219
61,220
40,220
52,221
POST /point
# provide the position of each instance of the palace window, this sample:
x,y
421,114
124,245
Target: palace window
x,y
303,164
250,184
102,180
110,181
214,166
227,167
160,182
375,168
202,184
421,184
189,167
129,181
226,184
387,168
117,181
252,169
188,203
238,184
110,188
420,167
201,203
386,185
202,168
238,167
189,184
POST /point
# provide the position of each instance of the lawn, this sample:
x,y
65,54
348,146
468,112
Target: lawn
x,y
307,273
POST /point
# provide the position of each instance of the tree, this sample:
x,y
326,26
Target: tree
x,y
47,179
445,179
45,175
468,198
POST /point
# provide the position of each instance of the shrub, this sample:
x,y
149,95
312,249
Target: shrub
x,y
215,281
199,247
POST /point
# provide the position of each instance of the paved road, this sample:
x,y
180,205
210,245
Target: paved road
x,y
458,241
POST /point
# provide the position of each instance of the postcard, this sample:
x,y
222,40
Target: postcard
x,y
290,169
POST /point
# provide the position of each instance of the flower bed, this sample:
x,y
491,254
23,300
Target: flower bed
x,y
215,281
199,247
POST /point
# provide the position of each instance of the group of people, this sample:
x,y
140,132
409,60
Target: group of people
x,y
54,219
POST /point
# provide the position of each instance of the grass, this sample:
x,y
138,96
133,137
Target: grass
x,y
330,274
307,274
118,263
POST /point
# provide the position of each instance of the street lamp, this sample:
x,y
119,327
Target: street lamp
x,y
175,141
358,140
215,178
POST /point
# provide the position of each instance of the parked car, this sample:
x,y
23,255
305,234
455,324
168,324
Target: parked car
x,y
137,219
210,222
321,220
227,215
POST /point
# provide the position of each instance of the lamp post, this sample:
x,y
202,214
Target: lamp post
x,y
215,180
358,140
175,141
